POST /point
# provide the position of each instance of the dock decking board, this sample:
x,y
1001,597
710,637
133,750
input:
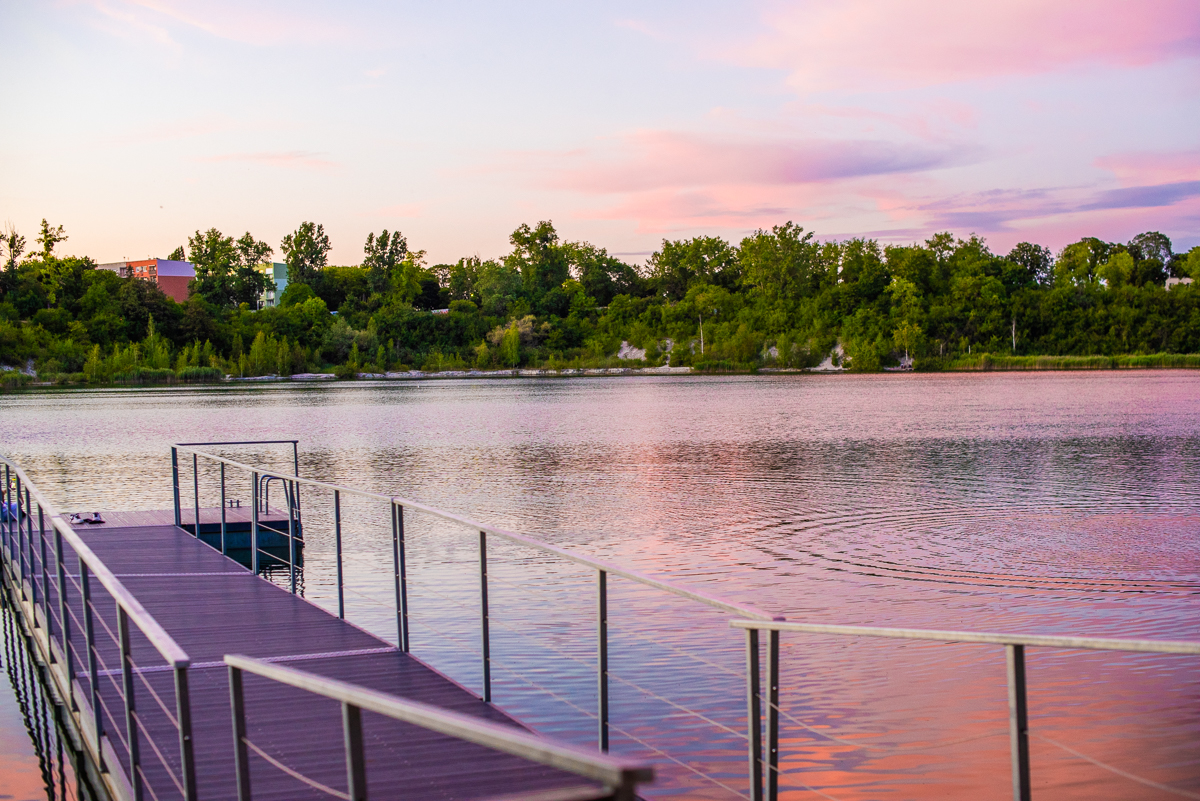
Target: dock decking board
x,y
210,516
212,606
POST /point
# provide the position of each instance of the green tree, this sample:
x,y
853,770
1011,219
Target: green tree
x,y
782,263
306,251
510,346
1192,264
12,245
380,256
1118,270
539,258
680,264
49,238
226,270
1036,260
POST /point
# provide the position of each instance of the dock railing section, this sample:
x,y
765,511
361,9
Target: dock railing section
x,y
763,710
400,508
61,586
1014,649
617,777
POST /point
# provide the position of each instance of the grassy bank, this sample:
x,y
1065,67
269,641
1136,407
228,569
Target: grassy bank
x,y
1000,362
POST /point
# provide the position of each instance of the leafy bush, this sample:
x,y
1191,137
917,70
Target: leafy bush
x,y
200,375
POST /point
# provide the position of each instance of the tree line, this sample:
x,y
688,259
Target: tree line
x,y
778,298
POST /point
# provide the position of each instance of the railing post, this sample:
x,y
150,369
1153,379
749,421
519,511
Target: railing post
x,y
196,492
337,537
296,472
356,764
224,550
1018,722
183,713
241,754
602,658
401,575
772,715
5,517
254,523
33,557
290,491
64,621
20,539
754,714
45,582
131,722
93,666
8,517
485,638
175,486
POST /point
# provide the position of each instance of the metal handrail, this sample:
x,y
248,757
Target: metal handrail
x,y
618,776
397,506
1035,640
1014,646
598,564
155,633
196,479
19,526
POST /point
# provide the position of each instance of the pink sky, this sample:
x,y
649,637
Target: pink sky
x,y
141,122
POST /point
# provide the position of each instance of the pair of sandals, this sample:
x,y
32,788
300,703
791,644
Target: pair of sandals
x,y
93,519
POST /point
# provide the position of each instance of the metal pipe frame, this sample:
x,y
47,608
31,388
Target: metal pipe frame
x,y
131,719
291,532
485,638
1014,646
254,522
403,611
241,754
754,714
196,493
619,776
93,667
337,536
175,486
1018,721
20,552
714,601
224,550
602,660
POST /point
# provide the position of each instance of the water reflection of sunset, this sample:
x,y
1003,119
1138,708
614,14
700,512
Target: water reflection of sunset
x,y
1047,503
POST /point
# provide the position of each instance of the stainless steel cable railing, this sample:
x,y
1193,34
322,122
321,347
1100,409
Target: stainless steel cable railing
x,y
1018,712
31,528
618,778
399,506
762,730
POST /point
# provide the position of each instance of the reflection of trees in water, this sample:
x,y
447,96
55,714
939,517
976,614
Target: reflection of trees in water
x,y
42,717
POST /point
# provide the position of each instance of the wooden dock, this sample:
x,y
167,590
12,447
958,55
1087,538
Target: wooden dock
x,y
213,606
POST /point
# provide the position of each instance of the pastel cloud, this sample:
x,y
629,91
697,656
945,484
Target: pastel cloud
x,y
876,44
1145,197
651,160
1152,167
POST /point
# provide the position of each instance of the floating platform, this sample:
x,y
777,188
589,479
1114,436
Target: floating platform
x,y
212,606
272,527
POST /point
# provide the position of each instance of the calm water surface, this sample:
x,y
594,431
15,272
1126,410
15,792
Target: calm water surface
x,y
1049,503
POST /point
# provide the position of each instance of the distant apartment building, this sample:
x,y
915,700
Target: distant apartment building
x,y
172,277
276,272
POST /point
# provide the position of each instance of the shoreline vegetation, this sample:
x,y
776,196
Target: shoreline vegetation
x,y
779,301
984,362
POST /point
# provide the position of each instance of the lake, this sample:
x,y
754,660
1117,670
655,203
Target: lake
x,y
1061,503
